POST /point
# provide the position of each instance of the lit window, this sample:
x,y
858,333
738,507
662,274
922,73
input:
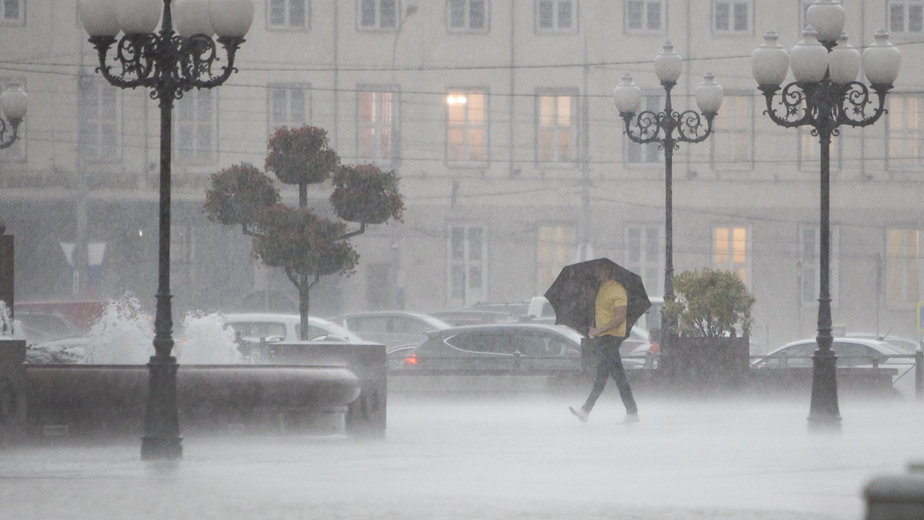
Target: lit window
x,y
556,15
730,251
378,14
466,127
468,15
376,126
556,132
645,16
288,14
902,266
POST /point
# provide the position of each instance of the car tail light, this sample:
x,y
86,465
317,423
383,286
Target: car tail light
x,y
410,360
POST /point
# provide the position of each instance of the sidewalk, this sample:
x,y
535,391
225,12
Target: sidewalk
x,y
523,456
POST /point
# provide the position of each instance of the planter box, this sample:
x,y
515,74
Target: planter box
x,y
705,363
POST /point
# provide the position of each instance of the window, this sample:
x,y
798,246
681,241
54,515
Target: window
x,y
556,15
810,152
195,122
556,135
377,125
906,16
98,116
378,14
12,12
644,254
902,267
16,152
466,128
555,249
288,14
905,140
288,106
730,251
645,153
467,265
467,15
808,266
646,16
731,16
733,138
181,243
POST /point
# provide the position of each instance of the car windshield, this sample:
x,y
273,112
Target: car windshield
x,y
258,329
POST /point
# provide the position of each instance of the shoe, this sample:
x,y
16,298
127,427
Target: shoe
x,y
631,418
580,413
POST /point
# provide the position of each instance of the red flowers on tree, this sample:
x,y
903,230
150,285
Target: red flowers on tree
x,y
238,193
364,193
301,155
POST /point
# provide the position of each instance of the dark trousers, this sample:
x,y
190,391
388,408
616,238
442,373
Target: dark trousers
x,y
610,364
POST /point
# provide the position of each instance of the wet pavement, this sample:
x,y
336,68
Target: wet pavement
x,y
488,456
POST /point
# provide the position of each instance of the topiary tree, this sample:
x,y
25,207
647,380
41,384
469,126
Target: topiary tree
x,y
305,245
711,303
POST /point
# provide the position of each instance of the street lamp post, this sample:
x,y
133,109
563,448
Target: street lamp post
x,y
650,127
825,95
170,64
13,104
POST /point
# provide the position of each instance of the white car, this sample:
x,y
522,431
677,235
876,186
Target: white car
x,y
393,328
279,328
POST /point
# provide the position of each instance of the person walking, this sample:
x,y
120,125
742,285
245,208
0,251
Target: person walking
x,y
606,337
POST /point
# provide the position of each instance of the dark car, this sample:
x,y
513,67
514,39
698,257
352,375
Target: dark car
x,y
391,328
495,348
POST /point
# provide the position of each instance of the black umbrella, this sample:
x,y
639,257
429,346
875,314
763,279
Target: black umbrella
x,y
574,292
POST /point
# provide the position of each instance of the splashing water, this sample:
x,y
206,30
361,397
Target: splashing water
x,y
122,335
206,340
6,323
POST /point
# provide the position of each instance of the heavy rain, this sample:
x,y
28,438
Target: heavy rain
x,y
322,259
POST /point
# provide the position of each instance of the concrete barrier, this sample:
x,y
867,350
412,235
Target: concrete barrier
x,y
896,497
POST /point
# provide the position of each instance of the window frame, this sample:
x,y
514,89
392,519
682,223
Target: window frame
x,y
556,245
106,98
802,258
909,269
377,25
911,131
731,264
287,25
391,156
643,265
572,128
19,20
905,6
643,30
722,128
731,30
467,25
556,27
470,294
467,127
272,123
650,153
197,155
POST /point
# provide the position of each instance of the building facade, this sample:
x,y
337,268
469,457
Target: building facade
x,y
498,117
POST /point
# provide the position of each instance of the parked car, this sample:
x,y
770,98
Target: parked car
x,y
277,328
851,352
540,311
42,327
393,328
905,345
496,348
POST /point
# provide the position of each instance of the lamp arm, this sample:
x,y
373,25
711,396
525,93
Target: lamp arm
x,y
14,124
645,127
793,99
854,99
690,127
199,53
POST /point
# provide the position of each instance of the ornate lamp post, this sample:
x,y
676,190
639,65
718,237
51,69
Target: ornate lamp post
x,y
13,103
169,63
825,95
668,129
